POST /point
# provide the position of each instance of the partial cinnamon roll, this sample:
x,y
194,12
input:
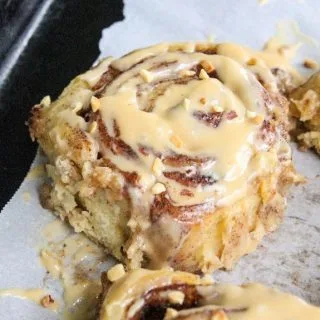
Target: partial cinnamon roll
x,y
167,295
173,155
305,108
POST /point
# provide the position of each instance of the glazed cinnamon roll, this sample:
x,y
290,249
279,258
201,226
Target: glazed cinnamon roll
x,y
168,295
173,155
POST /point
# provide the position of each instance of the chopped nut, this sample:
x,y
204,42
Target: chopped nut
x,y
219,315
157,167
158,188
252,62
93,127
95,103
116,272
203,100
176,297
47,301
283,50
254,117
251,114
216,108
146,75
170,313
310,64
187,73
176,141
203,75
258,119
207,65
77,106
186,103
46,101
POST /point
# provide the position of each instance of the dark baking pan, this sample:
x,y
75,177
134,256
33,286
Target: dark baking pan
x,y
43,45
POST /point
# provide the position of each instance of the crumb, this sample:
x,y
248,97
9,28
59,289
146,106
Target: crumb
x,y
47,301
95,103
252,62
310,64
116,272
203,74
202,100
176,141
26,196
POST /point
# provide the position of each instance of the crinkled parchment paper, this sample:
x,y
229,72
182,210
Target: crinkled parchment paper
x,y
290,257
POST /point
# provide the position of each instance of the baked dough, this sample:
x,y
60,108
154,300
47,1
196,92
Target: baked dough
x,y
173,155
164,294
305,107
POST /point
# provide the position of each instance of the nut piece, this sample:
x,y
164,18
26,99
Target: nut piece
x,y
310,64
251,114
116,272
46,101
203,100
258,119
77,106
47,301
252,62
187,73
203,75
157,167
176,141
207,66
186,103
216,108
176,297
93,127
220,315
146,75
254,117
170,313
158,188
95,103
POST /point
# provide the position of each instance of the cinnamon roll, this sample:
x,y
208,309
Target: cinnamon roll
x,y
305,108
173,155
168,295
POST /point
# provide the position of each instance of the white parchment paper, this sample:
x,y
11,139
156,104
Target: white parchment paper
x,y
290,257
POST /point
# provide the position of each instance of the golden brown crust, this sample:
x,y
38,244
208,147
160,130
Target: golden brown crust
x,y
305,108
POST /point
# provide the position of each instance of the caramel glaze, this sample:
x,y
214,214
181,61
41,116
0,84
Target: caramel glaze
x,y
183,125
211,161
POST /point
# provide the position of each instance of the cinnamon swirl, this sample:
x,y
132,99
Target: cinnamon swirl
x,y
175,154
168,295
